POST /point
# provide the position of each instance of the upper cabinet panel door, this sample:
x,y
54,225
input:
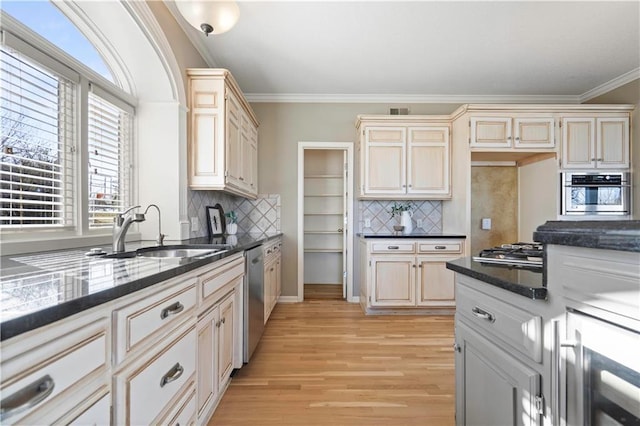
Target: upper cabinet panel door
x,y
534,132
612,143
385,159
428,165
490,132
578,143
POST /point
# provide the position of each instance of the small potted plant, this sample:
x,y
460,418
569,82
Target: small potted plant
x,y
232,226
403,210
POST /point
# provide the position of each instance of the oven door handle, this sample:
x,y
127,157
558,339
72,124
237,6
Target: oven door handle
x,y
595,185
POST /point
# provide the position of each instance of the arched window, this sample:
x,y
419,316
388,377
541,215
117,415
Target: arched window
x,y
66,127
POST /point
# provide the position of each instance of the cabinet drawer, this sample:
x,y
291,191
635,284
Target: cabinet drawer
x,y
213,281
49,376
518,328
153,385
435,247
183,411
392,247
139,321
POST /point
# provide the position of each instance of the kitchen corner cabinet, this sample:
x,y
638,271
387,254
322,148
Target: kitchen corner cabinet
x,y
401,273
404,160
595,142
222,135
512,132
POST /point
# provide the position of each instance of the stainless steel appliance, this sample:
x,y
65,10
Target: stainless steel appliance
x,y
253,300
516,254
602,365
592,193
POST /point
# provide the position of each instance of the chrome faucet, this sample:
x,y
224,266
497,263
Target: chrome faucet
x,y
161,236
121,224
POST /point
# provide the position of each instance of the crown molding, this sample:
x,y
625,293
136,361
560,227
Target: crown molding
x,y
610,85
197,39
407,99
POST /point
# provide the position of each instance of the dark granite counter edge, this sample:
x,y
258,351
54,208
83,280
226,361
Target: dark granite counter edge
x,y
621,235
416,236
31,321
529,292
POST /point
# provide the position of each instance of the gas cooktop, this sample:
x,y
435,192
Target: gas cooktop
x,y
526,254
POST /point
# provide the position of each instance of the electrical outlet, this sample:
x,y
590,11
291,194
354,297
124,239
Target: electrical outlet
x,y
195,224
486,223
367,222
419,223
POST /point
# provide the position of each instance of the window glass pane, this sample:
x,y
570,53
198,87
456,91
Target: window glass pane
x,y
36,138
109,138
46,20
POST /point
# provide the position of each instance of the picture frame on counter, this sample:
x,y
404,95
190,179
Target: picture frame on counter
x,y
215,220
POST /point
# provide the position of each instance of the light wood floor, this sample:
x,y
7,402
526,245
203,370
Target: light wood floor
x,y
323,291
323,362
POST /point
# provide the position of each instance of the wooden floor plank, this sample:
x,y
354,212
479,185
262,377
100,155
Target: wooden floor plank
x,y
322,362
322,292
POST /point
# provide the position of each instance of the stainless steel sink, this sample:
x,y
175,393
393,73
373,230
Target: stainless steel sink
x,y
174,251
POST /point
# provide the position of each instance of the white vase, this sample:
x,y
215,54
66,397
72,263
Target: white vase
x,y
232,228
405,220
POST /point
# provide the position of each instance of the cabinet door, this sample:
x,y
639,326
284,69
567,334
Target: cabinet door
x,y
578,143
234,141
428,161
207,377
534,132
278,277
269,288
225,340
490,132
384,161
393,281
252,172
612,143
492,387
435,283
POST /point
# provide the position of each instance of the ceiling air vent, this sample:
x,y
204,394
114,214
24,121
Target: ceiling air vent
x,y
399,111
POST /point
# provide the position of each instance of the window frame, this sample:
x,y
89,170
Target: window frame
x,y
17,36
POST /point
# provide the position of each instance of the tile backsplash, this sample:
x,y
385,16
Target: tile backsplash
x,y
261,215
379,213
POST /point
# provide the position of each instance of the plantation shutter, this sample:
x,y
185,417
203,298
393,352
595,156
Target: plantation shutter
x,y
37,144
109,158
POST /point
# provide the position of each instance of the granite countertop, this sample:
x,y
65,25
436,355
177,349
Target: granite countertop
x,y
621,235
411,236
524,281
40,288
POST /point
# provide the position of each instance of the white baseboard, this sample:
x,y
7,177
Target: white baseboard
x,y
288,299
354,299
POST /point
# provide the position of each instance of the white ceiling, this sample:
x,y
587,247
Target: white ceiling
x,y
426,50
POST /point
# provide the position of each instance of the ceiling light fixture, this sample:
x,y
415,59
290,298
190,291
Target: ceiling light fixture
x,y
210,17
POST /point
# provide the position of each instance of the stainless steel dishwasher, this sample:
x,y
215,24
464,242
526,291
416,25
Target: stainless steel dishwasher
x,y
253,300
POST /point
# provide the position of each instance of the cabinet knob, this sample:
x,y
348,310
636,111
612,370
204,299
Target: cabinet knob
x,y
457,347
340,230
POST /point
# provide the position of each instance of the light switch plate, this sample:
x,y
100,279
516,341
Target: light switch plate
x,y
486,223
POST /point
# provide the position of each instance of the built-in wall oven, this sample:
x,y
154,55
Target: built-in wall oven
x,y
594,193
602,377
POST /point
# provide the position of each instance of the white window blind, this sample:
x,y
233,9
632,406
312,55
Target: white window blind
x,y
109,145
37,135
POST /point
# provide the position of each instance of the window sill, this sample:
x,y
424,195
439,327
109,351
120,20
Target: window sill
x,y
19,244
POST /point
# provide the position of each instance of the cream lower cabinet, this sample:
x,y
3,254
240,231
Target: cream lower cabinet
x,y
406,273
223,135
404,159
272,275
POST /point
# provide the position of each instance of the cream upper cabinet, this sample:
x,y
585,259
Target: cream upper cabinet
x,y
512,132
222,135
595,142
405,161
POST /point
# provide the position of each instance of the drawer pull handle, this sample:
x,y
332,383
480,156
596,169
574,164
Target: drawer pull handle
x,y
393,247
440,247
173,309
172,375
481,313
27,397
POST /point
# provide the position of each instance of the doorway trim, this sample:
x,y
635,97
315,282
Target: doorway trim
x,y
344,146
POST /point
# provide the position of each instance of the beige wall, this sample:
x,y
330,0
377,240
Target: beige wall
x,y
282,126
629,94
538,195
494,194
